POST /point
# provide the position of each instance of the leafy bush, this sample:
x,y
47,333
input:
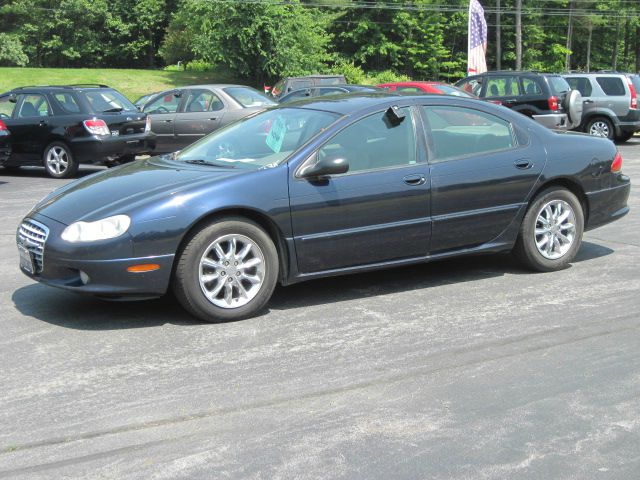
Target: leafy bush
x,y
11,52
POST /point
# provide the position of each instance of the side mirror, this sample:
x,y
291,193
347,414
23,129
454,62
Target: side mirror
x,y
13,98
326,166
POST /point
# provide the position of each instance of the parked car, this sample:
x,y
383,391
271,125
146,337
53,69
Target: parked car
x,y
184,115
320,91
437,88
61,127
610,104
332,186
5,143
289,84
545,97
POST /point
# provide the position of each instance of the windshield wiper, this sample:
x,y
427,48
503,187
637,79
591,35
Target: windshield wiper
x,y
210,164
115,109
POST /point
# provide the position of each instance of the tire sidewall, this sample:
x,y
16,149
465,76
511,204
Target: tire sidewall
x,y
529,249
187,281
72,166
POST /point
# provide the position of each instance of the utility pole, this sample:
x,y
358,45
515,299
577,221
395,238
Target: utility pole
x,y
498,38
518,34
567,60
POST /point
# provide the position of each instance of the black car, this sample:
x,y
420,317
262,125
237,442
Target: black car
x,y
330,186
327,90
60,127
545,97
5,143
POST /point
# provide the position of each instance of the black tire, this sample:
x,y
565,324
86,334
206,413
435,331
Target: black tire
x,y
186,282
624,137
526,249
600,127
58,161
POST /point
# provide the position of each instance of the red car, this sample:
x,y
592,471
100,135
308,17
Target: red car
x,y
425,87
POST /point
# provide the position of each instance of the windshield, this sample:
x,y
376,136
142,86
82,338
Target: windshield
x,y
103,101
262,140
248,97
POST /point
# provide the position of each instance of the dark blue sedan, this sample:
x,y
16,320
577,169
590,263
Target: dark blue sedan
x,y
324,187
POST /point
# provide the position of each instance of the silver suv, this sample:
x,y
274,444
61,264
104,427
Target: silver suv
x,y
610,104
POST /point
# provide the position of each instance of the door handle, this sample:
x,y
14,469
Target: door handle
x,y
523,164
588,101
42,123
168,121
214,118
415,180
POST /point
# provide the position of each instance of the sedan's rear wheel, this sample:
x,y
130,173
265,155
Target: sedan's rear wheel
x,y
551,231
58,161
227,271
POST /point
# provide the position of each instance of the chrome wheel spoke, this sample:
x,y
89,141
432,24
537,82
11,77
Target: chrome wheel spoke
x,y
251,278
254,262
207,262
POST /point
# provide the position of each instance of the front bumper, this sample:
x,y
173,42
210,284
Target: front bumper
x,y
97,149
610,204
554,121
99,268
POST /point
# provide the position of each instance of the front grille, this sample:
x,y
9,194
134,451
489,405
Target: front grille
x,y
33,235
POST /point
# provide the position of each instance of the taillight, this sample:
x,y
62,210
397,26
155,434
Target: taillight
x,y
616,166
634,94
147,126
3,127
553,103
96,126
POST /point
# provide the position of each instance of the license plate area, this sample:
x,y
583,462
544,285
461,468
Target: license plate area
x,y
27,262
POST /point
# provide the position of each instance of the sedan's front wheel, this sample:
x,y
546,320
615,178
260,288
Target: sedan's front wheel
x,y
551,231
227,271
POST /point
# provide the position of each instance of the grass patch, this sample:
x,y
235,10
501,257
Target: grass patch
x,y
133,83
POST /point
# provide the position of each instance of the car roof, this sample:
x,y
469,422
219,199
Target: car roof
x,y
345,104
61,87
409,84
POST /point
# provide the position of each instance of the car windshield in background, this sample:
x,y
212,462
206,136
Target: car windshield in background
x,y
262,140
247,97
559,85
104,101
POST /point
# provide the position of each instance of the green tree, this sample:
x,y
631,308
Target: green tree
x,y
11,51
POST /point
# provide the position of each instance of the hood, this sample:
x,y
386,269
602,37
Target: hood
x,y
120,189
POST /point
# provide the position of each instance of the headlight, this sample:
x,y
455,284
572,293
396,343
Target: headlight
x,y
104,229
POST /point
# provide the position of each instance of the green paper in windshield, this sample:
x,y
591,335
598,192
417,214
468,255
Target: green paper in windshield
x,y
276,135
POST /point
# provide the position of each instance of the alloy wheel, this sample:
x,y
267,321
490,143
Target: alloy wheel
x,y
57,160
555,229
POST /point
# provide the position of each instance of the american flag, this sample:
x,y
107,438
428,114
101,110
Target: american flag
x,y
477,47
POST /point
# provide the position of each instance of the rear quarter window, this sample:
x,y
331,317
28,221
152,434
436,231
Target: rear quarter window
x,y
582,84
612,86
6,107
67,102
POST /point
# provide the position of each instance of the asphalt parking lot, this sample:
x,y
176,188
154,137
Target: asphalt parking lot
x,y
464,369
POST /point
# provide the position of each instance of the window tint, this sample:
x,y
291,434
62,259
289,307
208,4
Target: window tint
x,y
248,97
611,86
34,106
374,142
502,86
329,91
167,103
531,86
300,84
582,84
103,101
331,81
558,85
203,101
458,132
67,102
6,107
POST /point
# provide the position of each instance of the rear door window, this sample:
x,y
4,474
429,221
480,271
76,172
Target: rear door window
x,y
458,132
67,102
531,86
203,101
6,107
612,86
34,105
